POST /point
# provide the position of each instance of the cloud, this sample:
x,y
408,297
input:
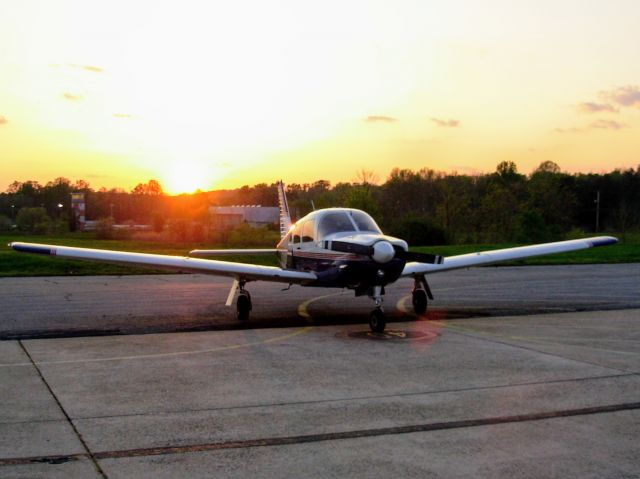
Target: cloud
x,y
592,107
625,95
596,125
88,68
380,119
446,123
122,115
607,125
569,130
72,96
3,120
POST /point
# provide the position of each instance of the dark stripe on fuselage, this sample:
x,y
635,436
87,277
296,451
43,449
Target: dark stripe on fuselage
x,y
33,249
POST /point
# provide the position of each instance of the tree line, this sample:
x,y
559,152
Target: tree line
x,y
423,206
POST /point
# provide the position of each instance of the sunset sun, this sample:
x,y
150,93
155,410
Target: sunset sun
x,y
186,177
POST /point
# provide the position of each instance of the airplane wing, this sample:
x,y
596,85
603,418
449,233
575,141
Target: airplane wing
x,y
508,254
249,272
229,252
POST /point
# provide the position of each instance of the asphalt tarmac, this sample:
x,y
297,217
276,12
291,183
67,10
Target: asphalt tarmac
x,y
515,372
94,305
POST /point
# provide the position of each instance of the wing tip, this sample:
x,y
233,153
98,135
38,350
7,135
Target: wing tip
x,y
603,241
32,248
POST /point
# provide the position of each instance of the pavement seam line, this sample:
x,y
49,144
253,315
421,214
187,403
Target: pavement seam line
x,y
504,340
355,434
366,398
85,446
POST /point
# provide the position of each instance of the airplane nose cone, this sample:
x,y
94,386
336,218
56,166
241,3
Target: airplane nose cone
x,y
383,252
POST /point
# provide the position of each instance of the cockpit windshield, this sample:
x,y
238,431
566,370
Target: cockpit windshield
x,y
341,221
364,222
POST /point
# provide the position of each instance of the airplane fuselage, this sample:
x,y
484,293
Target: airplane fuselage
x,y
344,248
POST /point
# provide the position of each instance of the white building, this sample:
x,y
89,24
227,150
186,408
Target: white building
x,y
227,217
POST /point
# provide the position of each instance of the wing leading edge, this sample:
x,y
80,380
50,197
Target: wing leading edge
x,y
172,263
496,256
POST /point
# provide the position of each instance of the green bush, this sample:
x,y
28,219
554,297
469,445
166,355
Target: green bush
x,y
418,231
104,228
5,223
245,235
33,220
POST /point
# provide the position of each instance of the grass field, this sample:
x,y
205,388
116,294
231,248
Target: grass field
x,y
16,264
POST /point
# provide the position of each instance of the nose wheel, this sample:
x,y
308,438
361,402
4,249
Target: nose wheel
x,y
377,320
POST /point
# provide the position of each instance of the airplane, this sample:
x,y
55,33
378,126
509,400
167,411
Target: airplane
x,y
332,248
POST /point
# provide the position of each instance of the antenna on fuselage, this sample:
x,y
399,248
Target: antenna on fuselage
x,y
313,206
285,216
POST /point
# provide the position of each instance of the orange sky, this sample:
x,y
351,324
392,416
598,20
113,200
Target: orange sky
x,y
220,94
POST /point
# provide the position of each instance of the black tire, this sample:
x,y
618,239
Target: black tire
x,y
377,321
419,300
243,306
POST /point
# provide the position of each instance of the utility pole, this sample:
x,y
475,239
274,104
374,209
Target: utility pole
x,y
597,202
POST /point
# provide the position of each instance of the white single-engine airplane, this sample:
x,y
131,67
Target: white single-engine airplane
x,y
333,248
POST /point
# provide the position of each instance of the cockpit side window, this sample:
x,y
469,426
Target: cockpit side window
x,y
308,234
295,233
364,222
335,222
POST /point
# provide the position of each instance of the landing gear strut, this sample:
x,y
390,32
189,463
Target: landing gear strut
x,y
377,319
243,304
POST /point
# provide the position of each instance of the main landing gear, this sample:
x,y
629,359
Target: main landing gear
x,y
377,319
243,303
419,295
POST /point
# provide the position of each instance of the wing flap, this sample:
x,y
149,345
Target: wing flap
x,y
172,263
508,254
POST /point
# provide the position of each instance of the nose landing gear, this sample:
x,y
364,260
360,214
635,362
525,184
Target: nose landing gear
x,y
377,319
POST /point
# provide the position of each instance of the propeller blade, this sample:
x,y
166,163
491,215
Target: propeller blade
x,y
346,247
421,257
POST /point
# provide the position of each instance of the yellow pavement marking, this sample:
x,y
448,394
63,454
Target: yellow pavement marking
x,y
302,311
303,308
401,306
172,354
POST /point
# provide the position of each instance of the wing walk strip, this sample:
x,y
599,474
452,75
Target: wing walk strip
x,y
356,434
